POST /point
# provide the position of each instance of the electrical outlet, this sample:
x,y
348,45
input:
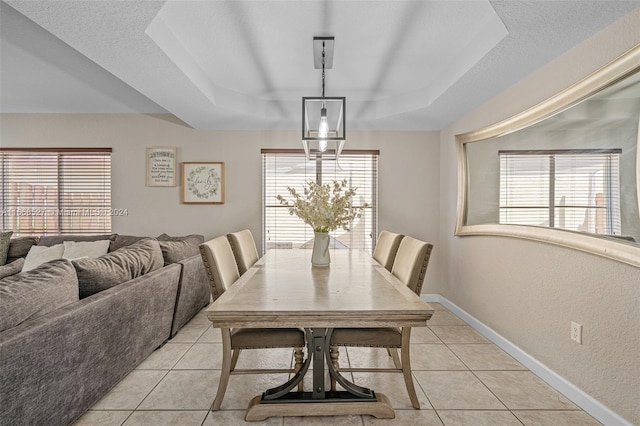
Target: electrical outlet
x,y
576,332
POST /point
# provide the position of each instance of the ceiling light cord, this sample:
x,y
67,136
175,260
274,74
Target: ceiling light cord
x,y
323,128
323,69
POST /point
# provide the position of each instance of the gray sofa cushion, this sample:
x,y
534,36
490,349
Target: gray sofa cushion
x,y
111,269
197,237
20,246
120,241
52,240
37,292
12,268
5,240
175,249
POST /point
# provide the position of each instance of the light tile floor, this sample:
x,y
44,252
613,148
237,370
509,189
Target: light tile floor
x,y
461,379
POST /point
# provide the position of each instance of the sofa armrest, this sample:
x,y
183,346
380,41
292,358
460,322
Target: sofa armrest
x,y
193,292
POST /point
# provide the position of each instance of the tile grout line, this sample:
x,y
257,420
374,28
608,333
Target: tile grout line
x,y
476,376
446,344
473,371
166,374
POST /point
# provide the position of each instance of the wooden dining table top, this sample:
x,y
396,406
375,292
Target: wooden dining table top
x,y
284,290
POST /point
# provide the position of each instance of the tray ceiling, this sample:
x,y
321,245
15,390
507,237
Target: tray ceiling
x,y
410,65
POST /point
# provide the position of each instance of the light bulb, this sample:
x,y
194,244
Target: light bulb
x,y
322,146
323,128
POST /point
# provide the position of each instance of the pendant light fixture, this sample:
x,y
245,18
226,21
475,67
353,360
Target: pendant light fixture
x,y
323,117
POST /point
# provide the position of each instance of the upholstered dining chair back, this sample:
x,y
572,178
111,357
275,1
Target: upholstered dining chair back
x,y
386,248
244,249
222,271
410,264
220,265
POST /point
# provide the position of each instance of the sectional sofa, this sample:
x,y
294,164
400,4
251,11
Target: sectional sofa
x,y
70,330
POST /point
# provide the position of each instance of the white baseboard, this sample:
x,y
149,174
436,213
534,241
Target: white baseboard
x,y
592,406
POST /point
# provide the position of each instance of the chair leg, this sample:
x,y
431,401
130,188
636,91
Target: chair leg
x,y
298,357
406,368
334,353
226,369
394,355
234,358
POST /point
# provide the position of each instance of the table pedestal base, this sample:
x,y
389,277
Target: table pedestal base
x,y
258,410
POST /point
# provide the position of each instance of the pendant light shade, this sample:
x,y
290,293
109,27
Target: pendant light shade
x,y
323,123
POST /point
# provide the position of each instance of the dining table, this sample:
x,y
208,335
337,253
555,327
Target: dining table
x,y
282,290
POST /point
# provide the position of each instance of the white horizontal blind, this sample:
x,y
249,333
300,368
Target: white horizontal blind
x,y
578,190
65,191
284,168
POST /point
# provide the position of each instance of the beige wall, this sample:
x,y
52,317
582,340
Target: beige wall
x,y
408,171
529,292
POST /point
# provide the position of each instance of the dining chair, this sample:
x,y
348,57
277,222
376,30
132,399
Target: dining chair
x,y
244,249
386,248
409,266
222,273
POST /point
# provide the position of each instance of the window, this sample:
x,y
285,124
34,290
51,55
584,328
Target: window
x,y
577,190
283,168
55,191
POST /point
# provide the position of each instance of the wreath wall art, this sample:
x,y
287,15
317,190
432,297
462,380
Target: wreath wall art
x,y
203,183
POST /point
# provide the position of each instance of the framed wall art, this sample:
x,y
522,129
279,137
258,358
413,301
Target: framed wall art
x,y
203,183
161,166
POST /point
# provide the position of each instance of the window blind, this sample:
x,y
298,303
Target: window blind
x,y
577,190
56,191
284,168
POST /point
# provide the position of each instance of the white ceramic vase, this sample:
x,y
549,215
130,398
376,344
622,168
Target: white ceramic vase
x,y
320,255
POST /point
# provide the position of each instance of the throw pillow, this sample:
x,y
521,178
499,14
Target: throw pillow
x,y
52,240
12,268
20,246
5,241
109,270
41,254
124,240
37,292
195,237
175,249
76,250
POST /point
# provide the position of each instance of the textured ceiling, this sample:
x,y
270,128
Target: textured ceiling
x,y
414,65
